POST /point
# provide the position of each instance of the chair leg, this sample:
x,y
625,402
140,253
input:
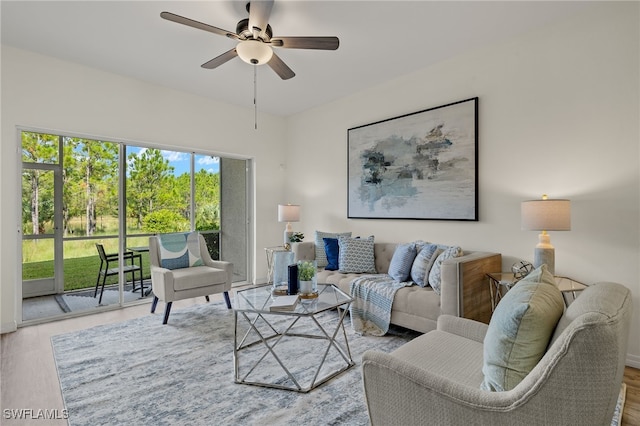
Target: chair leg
x,y
95,293
167,310
154,304
206,298
104,280
226,299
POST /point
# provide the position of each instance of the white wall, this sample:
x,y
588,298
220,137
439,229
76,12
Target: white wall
x,y
558,114
51,94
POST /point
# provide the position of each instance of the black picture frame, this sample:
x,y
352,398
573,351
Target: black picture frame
x,y
422,165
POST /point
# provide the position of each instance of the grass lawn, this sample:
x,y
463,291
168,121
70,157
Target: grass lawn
x,y
79,272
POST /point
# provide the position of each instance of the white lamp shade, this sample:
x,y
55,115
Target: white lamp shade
x,y
546,215
254,52
288,213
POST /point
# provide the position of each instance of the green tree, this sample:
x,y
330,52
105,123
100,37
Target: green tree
x,y
164,221
207,196
149,184
38,148
97,164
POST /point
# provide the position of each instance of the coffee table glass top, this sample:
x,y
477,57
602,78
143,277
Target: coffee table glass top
x,y
259,299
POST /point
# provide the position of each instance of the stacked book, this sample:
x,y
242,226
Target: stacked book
x,y
284,303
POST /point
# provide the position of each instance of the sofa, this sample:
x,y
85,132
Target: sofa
x,y
464,286
437,377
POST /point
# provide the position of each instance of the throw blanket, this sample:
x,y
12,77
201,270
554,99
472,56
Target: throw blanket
x,y
373,296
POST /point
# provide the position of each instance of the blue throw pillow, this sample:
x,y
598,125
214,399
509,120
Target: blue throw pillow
x,y
423,263
332,250
401,262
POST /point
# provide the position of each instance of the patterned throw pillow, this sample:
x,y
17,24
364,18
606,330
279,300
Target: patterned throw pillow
x,y
423,263
520,329
401,262
332,251
180,250
435,275
321,257
356,255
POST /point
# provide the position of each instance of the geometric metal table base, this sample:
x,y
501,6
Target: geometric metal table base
x,y
264,338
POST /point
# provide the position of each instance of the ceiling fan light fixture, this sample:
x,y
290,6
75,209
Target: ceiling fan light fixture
x,y
254,52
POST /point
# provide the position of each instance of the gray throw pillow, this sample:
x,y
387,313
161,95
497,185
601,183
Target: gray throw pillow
x,y
435,275
356,255
520,329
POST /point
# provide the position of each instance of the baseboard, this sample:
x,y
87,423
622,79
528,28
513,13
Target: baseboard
x,y
633,361
8,327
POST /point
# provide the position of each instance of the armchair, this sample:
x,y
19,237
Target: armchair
x,y
169,285
435,378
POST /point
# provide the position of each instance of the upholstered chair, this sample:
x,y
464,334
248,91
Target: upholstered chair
x,y
182,268
436,378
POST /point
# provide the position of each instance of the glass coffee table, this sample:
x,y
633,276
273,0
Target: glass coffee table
x,y
294,350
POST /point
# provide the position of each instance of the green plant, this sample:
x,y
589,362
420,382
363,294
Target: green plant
x,y
306,270
296,237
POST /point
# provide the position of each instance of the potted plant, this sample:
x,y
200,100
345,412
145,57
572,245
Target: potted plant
x,y
307,277
296,237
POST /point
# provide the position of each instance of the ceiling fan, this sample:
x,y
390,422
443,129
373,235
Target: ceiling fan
x,y
256,39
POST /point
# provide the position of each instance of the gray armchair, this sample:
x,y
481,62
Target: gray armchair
x,y
170,285
435,378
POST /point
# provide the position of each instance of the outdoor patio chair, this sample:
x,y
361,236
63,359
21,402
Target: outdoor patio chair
x,y
107,260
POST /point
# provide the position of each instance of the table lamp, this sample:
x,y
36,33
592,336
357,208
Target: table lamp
x,y
545,215
288,213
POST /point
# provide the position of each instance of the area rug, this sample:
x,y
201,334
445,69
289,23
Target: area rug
x,y
141,372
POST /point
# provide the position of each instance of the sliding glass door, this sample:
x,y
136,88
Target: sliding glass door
x,y
73,190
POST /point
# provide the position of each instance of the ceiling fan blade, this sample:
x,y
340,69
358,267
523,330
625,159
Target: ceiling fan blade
x,y
259,12
219,60
196,24
321,43
280,67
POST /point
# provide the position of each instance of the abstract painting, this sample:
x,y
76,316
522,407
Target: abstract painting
x,y
422,165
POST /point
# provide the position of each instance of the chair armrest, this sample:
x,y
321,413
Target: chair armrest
x,y
219,264
463,327
398,392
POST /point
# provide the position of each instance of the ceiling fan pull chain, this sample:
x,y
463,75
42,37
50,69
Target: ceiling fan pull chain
x,y
255,97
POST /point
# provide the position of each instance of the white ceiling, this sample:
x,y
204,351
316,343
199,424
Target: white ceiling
x,y
379,41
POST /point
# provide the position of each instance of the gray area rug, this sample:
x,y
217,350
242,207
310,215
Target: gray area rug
x,y
141,372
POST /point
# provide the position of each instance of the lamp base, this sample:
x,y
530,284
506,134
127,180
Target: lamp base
x,y
545,256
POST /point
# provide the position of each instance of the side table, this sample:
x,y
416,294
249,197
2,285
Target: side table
x,y
271,253
501,282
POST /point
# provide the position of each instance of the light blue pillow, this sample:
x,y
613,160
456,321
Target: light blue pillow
x,y
321,256
401,262
422,264
180,250
356,255
520,330
435,275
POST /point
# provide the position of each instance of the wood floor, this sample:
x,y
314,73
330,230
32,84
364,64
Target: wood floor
x,y
28,377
